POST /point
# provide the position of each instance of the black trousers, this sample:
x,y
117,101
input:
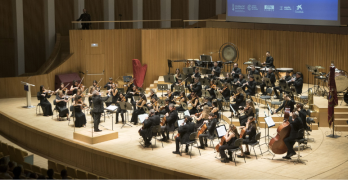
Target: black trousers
x,y
262,86
119,110
289,142
177,143
85,25
235,107
223,148
165,132
275,90
203,137
193,111
147,139
96,117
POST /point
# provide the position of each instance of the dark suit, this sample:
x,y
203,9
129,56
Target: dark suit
x,y
295,125
98,108
107,86
217,71
197,89
209,132
303,116
184,132
251,88
285,104
146,132
237,71
254,72
170,123
272,78
298,83
286,79
85,17
269,62
239,102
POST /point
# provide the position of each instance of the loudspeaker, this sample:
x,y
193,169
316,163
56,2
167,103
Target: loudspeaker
x,y
66,78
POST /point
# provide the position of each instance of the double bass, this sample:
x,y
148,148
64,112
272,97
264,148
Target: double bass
x,y
277,144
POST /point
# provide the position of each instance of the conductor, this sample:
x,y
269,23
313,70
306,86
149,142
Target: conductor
x,y
98,108
85,17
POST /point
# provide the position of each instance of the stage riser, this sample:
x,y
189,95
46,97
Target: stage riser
x,y
341,121
341,128
341,114
264,125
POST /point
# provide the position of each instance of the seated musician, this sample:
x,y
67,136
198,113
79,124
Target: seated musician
x,y
164,109
231,136
236,71
129,85
204,115
170,96
209,132
61,88
227,79
206,102
153,93
253,70
240,81
194,102
131,93
251,85
76,86
249,135
194,76
45,104
184,130
286,78
181,99
303,115
296,125
239,99
216,70
121,98
95,84
179,83
288,102
171,117
109,84
80,117
249,110
211,89
196,87
271,77
61,106
139,109
177,76
225,91
146,131
215,108
298,82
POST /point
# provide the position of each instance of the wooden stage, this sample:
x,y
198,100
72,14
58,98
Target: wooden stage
x,y
326,160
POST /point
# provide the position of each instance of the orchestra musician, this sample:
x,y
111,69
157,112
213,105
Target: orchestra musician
x,y
204,115
249,135
109,84
286,78
209,132
76,86
60,103
288,102
296,125
61,88
98,108
249,110
253,70
236,71
269,60
179,83
129,86
215,108
251,85
171,117
239,99
114,93
195,102
298,82
196,87
121,98
184,130
146,131
206,102
194,76
153,94
130,94
231,136
170,96
165,108
80,117
302,114
46,106
95,84
182,99
239,81
216,70
211,89
177,76
225,91
227,79
139,109
271,77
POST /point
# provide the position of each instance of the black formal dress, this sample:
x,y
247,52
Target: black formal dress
x,y
226,94
208,133
197,88
61,107
136,113
250,134
114,99
289,141
286,104
170,124
244,119
98,109
272,78
85,17
45,104
269,62
194,109
80,118
184,132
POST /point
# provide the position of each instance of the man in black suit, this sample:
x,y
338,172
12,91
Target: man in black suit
x,y
149,122
216,70
184,130
236,71
269,60
288,102
85,17
271,77
194,76
209,132
251,85
109,84
302,114
196,87
171,117
98,108
240,81
286,78
253,70
296,125
298,82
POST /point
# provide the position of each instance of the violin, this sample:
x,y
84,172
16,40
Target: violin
x,y
198,114
213,86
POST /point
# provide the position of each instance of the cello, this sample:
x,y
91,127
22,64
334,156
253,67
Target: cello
x,y
277,144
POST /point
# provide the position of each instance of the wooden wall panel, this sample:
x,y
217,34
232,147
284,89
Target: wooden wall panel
x,y
64,14
124,7
207,9
34,35
6,19
151,11
179,10
96,9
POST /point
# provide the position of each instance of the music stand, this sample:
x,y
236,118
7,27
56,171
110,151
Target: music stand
x,y
270,123
284,86
187,71
257,79
127,78
179,88
205,93
267,82
125,106
27,89
169,79
120,90
162,87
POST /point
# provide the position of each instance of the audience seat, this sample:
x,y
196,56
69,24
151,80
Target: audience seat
x,y
52,165
60,167
71,172
57,175
36,169
81,174
44,171
27,166
92,176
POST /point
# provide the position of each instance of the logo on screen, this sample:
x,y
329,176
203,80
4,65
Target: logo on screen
x,y
249,7
299,9
232,7
269,8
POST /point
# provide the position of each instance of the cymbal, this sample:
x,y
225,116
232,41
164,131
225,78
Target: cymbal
x,y
319,67
248,63
252,59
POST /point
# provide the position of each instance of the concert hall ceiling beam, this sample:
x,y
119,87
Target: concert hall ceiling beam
x,y
19,36
193,10
138,13
50,26
166,13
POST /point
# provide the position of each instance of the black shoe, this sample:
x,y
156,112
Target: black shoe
x,y
163,139
186,150
176,152
277,97
292,154
201,147
230,117
116,122
240,156
247,153
206,145
230,158
286,157
225,161
98,130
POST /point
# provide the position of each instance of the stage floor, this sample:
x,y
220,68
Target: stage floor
x,y
326,160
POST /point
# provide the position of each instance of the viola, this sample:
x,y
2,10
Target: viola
x,y
277,144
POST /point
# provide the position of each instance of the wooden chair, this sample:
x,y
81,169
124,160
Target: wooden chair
x,y
36,169
71,172
52,165
81,174
60,167
44,171
92,176
27,166
57,175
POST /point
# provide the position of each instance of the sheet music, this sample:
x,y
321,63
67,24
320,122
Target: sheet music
x,y
221,131
269,121
142,117
111,108
180,121
187,112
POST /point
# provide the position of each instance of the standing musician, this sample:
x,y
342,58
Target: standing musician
x,y
211,89
177,76
129,85
171,117
231,136
195,102
253,70
239,98
98,108
209,132
225,91
251,85
196,87
288,102
120,98
80,117
249,135
184,130
181,99
271,77
76,86
139,109
114,93
202,116
249,110
269,60
240,81
164,109
60,103
216,70
302,114
109,84
296,125
298,82
95,84
285,78
236,71
131,93
45,104
146,130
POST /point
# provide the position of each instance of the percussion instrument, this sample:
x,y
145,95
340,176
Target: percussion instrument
x,y
266,69
248,63
252,59
285,69
319,67
256,67
341,80
345,97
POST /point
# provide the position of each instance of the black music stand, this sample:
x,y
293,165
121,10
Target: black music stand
x,y
270,123
179,88
205,93
162,87
125,106
120,90
258,79
169,79
187,71
127,78
267,82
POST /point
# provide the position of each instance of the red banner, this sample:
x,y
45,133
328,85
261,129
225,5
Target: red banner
x,y
139,72
332,98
